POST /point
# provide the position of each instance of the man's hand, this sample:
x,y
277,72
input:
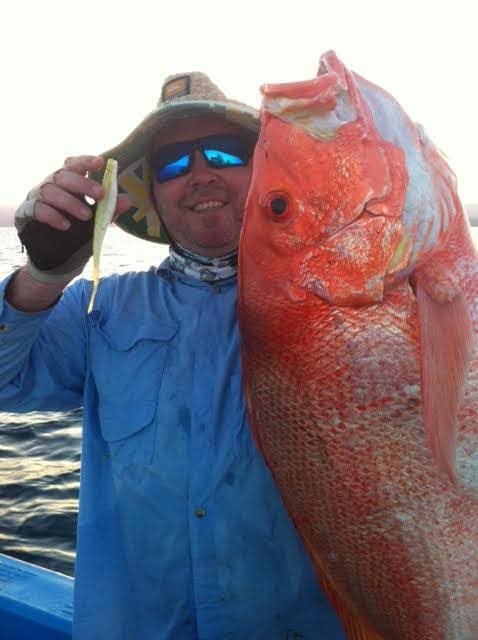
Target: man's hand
x,y
55,223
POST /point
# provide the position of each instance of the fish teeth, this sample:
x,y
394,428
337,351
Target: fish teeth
x,y
210,204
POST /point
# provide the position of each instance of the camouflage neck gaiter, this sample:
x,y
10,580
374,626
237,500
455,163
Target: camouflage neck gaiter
x,y
203,267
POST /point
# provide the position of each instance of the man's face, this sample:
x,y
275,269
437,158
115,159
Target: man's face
x,y
203,209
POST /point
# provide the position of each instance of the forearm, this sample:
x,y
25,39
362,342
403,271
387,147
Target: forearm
x,y
42,353
24,293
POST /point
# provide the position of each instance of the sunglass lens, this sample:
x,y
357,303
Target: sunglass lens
x,y
218,158
173,169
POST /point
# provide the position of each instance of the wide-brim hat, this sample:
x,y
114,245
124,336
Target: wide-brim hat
x,y
182,95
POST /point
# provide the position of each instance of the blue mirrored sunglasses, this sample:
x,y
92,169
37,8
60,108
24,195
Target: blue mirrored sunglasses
x,y
219,151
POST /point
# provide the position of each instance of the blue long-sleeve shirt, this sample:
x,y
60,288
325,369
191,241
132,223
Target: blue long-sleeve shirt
x,y
181,532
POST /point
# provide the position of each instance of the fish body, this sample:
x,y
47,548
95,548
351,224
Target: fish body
x,y
103,216
358,312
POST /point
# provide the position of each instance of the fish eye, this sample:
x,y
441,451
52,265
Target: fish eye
x,y
278,206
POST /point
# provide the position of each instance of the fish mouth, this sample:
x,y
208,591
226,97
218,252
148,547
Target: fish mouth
x,y
334,233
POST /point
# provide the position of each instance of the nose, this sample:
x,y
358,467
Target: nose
x,y
201,173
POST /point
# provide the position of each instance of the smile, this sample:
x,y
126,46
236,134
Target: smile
x,y
210,204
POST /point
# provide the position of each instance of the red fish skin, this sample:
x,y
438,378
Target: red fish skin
x,y
333,382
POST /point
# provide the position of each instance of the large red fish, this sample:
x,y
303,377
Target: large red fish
x,y
358,308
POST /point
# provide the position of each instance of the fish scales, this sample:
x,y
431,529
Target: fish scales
x,y
332,352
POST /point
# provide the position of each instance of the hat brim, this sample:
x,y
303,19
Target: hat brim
x,y
141,220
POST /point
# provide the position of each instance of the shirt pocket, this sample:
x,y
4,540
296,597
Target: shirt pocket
x,y
127,367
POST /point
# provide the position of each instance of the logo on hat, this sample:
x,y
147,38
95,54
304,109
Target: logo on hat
x,y
177,88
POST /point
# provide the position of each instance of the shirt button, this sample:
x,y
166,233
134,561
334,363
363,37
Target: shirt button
x,y
199,512
216,289
4,328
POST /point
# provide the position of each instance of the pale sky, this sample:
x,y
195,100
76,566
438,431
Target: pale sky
x,y
77,77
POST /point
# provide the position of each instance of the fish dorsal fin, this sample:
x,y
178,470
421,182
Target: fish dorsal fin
x,y
446,342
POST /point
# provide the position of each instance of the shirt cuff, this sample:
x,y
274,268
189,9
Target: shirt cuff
x,y
9,316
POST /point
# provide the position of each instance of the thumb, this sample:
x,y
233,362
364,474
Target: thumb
x,y
123,203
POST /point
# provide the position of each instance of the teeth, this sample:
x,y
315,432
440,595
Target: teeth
x,y
211,204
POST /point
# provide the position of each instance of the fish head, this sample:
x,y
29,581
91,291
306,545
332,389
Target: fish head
x,y
326,208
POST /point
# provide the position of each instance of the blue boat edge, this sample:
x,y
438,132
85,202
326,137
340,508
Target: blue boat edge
x,y
34,602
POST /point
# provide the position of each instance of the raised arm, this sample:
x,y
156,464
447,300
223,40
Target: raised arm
x,y
55,224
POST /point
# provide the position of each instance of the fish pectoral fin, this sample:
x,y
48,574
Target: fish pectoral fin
x,y
446,343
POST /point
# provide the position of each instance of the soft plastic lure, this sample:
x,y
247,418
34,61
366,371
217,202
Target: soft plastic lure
x,y
104,214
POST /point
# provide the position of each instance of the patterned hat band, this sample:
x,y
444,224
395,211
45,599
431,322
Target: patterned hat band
x,y
182,95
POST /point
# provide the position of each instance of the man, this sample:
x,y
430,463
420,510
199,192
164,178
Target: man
x,y
181,532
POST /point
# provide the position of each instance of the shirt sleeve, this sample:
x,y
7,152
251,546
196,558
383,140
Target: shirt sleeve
x,y
43,354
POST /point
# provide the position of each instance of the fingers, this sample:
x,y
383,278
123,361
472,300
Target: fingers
x,y
76,183
123,203
62,200
50,216
66,190
82,164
